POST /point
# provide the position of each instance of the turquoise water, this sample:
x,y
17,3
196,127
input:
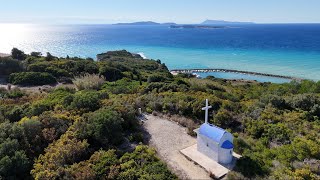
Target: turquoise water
x,y
231,75
290,50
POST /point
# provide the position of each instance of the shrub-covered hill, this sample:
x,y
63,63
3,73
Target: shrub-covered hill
x,y
38,70
80,132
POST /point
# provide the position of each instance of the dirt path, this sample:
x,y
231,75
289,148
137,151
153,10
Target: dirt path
x,y
169,138
35,88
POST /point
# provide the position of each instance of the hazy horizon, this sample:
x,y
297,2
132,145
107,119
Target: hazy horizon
x,y
181,12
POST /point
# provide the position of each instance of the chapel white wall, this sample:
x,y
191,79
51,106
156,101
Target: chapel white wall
x,y
225,155
211,150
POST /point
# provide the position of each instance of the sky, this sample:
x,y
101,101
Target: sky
x,y
179,11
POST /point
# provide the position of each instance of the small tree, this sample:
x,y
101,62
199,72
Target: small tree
x,y
18,54
49,57
36,54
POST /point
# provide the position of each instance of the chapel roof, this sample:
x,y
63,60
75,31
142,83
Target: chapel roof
x,y
212,132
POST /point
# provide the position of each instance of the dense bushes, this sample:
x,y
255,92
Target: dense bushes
x,y
142,163
8,66
110,73
13,162
31,78
155,78
67,150
49,68
105,126
304,101
80,67
86,101
122,86
92,134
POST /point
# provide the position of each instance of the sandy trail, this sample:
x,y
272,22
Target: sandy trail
x,y
169,138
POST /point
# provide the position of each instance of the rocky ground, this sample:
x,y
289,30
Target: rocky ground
x,y
169,138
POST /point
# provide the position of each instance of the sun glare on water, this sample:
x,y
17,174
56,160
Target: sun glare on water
x,y
13,35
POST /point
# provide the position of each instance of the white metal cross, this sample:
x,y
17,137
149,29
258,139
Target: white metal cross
x,y
207,111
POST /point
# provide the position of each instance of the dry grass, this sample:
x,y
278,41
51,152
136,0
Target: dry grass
x,y
183,121
88,81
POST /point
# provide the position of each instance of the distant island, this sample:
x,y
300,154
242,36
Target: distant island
x,y
217,22
146,23
197,27
206,22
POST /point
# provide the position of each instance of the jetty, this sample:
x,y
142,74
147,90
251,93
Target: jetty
x,y
208,70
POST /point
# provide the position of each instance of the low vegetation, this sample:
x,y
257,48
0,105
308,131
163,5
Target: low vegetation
x,y
86,133
32,78
88,81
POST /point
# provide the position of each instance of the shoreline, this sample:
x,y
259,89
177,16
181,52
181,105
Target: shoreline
x,y
4,54
208,70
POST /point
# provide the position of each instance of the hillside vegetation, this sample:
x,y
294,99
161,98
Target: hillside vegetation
x,y
92,131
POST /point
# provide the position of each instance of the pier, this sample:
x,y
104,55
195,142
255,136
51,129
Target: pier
x,y
208,70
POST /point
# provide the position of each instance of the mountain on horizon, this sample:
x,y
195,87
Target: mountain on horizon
x,y
206,22
146,23
215,22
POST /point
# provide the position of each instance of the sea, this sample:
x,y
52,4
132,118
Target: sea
x,y
280,49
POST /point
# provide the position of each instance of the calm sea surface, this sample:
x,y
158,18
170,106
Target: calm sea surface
x,y
291,50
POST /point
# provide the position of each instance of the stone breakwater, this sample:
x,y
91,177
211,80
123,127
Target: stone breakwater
x,y
207,70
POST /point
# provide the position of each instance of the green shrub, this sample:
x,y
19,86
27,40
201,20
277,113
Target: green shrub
x,y
85,66
89,81
223,118
38,66
251,167
57,97
156,78
15,114
49,67
36,54
86,100
110,73
31,78
105,126
18,54
303,101
9,65
103,162
38,108
122,86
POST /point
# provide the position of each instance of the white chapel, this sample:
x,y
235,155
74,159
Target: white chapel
x,y
214,142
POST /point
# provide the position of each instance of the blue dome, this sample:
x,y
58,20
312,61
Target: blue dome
x,y
212,132
227,145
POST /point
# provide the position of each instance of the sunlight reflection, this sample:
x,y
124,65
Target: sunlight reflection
x,y
13,35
